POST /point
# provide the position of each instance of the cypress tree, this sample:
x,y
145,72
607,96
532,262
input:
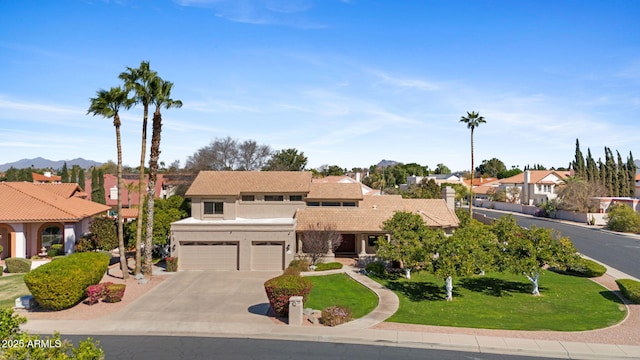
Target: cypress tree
x,y
81,178
578,163
631,175
592,168
102,199
623,179
64,175
74,175
95,186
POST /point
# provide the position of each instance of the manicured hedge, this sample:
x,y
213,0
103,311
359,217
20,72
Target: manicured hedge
x,y
18,265
300,264
587,268
281,288
328,266
630,289
63,283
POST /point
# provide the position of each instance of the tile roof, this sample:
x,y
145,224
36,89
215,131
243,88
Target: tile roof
x,y
536,176
233,183
480,181
66,190
334,191
111,180
28,202
344,179
374,210
44,178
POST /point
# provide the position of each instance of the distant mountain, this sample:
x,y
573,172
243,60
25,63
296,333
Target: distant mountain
x,y
385,163
41,163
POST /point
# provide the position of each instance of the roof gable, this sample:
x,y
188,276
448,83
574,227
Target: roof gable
x,y
234,183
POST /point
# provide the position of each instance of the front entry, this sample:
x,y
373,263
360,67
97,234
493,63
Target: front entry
x,y
348,245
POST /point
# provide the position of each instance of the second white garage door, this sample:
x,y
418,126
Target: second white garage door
x,y
267,255
217,255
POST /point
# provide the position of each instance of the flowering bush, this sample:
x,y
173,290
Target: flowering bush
x,y
172,263
336,315
281,288
113,292
95,293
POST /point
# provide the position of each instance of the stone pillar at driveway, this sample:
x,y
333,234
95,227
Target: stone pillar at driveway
x,y
295,310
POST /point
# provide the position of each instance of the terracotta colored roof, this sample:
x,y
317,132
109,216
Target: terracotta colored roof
x,y
28,202
130,213
536,176
482,190
374,210
233,183
480,181
334,191
43,178
66,190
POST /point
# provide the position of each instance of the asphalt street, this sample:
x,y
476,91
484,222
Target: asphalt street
x,y
619,251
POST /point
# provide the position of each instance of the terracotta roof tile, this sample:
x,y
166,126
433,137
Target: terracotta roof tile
x,y
233,183
66,190
536,176
334,191
28,202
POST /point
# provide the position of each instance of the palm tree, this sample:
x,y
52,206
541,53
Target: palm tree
x,y
161,90
108,104
139,81
473,120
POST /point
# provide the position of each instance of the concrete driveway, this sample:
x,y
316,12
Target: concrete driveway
x,y
209,300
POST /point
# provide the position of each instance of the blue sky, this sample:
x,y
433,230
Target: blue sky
x,y
347,82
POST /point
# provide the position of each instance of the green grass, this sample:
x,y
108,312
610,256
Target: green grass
x,y
11,287
340,289
503,301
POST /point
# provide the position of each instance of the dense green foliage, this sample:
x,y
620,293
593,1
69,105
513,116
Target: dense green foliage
x,y
18,265
503,301
616,175
165,212
102,235
586,268
328,266
286,160
630,289
55,250
342,290
63,283
279,289
623,218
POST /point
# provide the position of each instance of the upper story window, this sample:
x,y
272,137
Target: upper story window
x,y
248,198
295,197
349,204
213,208
313,203
330,203
274,198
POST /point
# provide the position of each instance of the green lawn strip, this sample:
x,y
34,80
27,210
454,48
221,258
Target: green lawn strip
x,y
503,301
341,289
12,287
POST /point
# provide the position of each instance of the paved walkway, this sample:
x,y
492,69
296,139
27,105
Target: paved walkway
x,y
146,316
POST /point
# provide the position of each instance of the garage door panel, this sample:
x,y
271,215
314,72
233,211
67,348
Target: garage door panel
x,y
267,255
212,256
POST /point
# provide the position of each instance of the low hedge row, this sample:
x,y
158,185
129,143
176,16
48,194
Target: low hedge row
x,y
587,268
328,266
281,288
18,265
630,289
63,283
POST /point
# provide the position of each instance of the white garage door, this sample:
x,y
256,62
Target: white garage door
x,y
267,255
215,255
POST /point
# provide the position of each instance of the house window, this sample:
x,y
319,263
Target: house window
x,y
330,203
295,197
349,204
274,198
372,240
51,235
248,197
313,203
213,208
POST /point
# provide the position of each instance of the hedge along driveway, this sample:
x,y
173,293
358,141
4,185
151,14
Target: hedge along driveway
x,y
503,301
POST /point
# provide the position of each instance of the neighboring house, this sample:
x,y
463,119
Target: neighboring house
x,y
638,183
35,216
244,220
46,178
533,187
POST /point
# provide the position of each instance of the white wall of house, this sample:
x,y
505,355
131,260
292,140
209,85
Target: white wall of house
x,y
21,240
69,238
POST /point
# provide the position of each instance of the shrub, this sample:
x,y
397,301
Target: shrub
x,y
300,264
336,315
10,323
113,292
18,265
291,271
623,218
281,288
55,250
95,293
172,264
630,289
63,283
586,268
328,266
376,268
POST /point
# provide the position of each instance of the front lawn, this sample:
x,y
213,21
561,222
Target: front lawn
x,y
503,301
341,289
11,287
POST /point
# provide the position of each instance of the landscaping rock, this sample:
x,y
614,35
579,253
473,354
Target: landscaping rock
x,y
308,311
312,319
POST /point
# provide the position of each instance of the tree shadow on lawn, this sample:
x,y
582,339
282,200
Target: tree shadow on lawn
x,y
495,287
419,291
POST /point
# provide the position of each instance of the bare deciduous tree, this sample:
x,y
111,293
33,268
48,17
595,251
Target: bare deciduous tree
x,y
229,154
318,239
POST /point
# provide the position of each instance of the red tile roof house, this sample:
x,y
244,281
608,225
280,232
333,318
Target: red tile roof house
x,y
536,186
245,220
35,216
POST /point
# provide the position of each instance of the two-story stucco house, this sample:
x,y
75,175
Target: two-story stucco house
x,y
245,220
534,186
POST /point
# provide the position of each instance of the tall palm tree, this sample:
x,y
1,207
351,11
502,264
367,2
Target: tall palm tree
x,y
473,120
139,81
108,104
161,90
